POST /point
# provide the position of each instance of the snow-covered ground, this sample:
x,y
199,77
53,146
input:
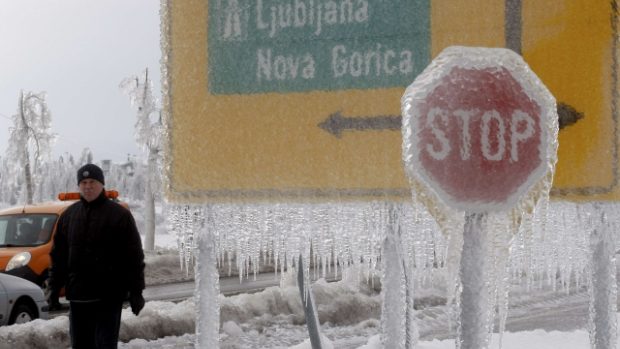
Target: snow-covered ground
x,y
349,311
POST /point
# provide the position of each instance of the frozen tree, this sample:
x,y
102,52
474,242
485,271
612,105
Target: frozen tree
x,y
59,177
60,174
119,179
129,178
9,184
67,169
5,190
3,180
30,141
45,189
86,157
148,136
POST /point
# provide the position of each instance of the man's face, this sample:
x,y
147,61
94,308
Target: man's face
x,y
90,189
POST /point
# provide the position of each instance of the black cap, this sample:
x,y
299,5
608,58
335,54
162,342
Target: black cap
x,y
90,171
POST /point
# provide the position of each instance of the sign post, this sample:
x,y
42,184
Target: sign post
x,y
479,136
602,280
399,329
307,300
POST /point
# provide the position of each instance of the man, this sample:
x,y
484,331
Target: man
x,y
97,256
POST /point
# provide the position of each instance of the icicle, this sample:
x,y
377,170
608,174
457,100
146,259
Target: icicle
x,y
343,234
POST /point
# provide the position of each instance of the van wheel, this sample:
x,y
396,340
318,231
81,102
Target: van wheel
x,y
22,313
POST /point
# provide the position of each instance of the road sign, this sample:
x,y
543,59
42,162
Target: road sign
x,y
305,45
252,84
587,32
262,102
479,128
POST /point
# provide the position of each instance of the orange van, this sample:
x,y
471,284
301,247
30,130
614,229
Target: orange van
x,y
26,236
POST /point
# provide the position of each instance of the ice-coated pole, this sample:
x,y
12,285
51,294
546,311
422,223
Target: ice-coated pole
x,y
474,302
312,321
397,290
603,283
208,283
479,137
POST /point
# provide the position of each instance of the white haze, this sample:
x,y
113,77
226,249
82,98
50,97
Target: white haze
x,y
78,52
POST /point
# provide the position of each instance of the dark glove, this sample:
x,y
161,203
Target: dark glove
x,y
51,297
136,301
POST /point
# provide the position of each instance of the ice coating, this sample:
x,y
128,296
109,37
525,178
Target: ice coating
x,y
602,279
479,129
399,327
338,234
573,249
207,281
547,246
479,144
166,91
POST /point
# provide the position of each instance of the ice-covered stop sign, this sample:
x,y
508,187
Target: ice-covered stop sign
x,y
479,128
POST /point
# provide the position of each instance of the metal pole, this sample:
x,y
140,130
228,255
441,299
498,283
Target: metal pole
x,y
474,296
513,24
312,320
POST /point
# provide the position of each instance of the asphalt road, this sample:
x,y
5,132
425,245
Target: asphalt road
x,y
228,286
528,311
179,291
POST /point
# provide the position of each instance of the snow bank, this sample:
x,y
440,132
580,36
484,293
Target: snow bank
x,y
162,319
37,334
185,341
345,302
157,320
164,266
325,344
339,303
271,319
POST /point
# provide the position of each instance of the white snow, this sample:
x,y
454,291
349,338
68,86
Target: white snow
x,y
350,312
273,318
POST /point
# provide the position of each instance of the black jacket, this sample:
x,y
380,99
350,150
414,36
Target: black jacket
x,y
97,252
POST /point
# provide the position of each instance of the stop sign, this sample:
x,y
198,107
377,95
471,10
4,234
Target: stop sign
x,y
479,129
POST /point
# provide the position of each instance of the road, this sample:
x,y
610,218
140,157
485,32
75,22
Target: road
x,y
179,291
546,310
228,286
528,311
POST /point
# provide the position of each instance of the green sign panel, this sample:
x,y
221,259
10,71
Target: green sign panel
x,y
258,46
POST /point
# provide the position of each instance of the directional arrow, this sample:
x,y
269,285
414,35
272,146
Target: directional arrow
x,y
567,115
336,123
513,28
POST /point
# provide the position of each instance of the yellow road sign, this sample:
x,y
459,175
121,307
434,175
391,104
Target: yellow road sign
x,y
301,98
576,57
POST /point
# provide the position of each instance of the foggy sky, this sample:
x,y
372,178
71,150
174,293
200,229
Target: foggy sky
x,y
78,51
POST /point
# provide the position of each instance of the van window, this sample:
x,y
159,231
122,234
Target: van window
x,y
26,229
